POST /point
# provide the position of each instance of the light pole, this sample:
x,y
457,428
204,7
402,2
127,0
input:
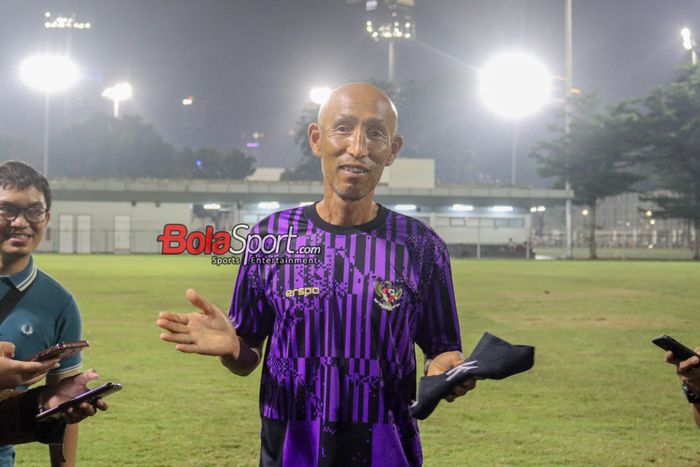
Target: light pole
x,y
569,80
689,44
393,23
118,93
514,85
48,74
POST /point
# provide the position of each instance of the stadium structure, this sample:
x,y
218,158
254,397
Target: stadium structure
x,y
127,215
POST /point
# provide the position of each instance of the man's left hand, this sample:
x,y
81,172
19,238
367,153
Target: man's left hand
x,y
446,361
67,390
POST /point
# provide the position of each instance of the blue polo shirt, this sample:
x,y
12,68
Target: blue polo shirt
x,y
46,315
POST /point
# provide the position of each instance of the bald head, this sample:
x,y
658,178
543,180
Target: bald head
x,y
363,94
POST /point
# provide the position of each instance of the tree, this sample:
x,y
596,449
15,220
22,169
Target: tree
x,y
213,164
309,167
108,147
595,155
669,136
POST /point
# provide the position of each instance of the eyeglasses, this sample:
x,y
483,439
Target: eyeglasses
x,y
34,214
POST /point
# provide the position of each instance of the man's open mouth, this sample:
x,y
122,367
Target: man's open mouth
x,y
354,169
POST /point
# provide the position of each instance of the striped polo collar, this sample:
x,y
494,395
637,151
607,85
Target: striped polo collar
x,y
25,277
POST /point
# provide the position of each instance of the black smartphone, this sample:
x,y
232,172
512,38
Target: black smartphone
x,y
61,350
680,351
90,396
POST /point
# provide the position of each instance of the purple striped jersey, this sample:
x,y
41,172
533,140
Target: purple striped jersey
x,y
339,369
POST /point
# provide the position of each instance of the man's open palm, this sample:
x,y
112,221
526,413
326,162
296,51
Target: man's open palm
x,y
206,332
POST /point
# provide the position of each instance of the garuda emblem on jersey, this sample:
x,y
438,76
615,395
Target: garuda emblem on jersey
x,y
386,294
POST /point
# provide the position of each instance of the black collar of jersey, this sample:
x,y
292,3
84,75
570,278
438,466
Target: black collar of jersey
x,y
375,223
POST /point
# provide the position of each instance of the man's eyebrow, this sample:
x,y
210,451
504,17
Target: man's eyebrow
x,y
378,122
344,118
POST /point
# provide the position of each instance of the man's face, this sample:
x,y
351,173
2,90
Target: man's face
x,y
355,139
19,237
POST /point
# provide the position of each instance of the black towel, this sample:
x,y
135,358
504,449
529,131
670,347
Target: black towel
x,y
492,358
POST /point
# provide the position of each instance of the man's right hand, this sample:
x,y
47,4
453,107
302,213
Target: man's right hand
x,y
18,373
208,332
688,370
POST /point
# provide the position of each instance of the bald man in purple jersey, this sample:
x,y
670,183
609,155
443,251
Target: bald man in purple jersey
x,y
339,368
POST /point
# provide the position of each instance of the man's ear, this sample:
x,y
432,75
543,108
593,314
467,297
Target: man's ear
x,y
48,217
396,145
314,135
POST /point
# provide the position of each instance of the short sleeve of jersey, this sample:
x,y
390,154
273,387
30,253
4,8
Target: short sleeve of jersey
x,y
438,330
250,312
69,329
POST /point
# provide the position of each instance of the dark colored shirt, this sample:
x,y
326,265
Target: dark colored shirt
x,y
339,369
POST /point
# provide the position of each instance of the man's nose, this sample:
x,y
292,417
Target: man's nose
x,y
358,145
20,220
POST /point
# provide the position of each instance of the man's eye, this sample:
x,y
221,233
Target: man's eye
x,y
342,128
35,211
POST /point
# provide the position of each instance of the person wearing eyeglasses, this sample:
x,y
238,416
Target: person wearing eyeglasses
x,y
46,313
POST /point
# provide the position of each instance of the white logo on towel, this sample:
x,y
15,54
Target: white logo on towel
x,y
27,329
460,369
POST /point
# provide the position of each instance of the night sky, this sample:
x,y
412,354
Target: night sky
x,y
250,64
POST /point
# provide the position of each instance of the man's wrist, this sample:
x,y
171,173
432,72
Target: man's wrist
x,y
691,393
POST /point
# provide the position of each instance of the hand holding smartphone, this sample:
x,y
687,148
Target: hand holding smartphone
x,y
90,396
680,351
61,350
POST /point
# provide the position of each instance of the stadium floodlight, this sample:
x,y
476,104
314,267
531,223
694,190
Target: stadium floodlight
x,y
305,203
405,207
502,209
541,209
118,93
462,207
269,205
320,94
49,74
515,85
212,206
689,44
585,213
64,22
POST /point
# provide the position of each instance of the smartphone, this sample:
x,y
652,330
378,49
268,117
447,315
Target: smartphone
x,y
90,396
61,350
680,351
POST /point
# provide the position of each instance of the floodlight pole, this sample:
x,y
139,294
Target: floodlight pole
x,y
392,61
513,151
569,76
45,171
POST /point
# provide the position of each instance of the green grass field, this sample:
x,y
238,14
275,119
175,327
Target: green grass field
x,y
599,394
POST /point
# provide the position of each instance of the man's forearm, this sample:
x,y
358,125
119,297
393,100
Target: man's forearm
x,y
69,450
695,409
247,360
